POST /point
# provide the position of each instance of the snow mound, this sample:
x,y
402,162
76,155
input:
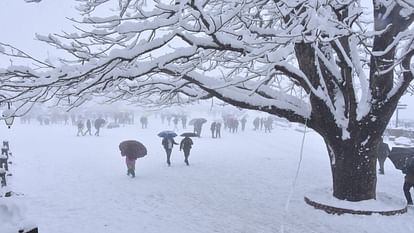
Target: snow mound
x,y
12,215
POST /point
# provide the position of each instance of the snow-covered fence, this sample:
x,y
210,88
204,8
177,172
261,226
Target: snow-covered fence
x,y
4,167
4,157
10,205
3,181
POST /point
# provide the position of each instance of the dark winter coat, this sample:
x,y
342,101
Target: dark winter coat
x,y
186,144
383,151
213,126
164,142
409,177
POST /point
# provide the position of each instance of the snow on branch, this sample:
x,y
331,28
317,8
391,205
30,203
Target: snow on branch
x,y
249,53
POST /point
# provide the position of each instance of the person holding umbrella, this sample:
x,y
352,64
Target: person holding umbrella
x,y
186,145
132,150
168,143
98,124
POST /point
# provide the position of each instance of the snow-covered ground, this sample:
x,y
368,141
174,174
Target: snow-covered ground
x,y
240,183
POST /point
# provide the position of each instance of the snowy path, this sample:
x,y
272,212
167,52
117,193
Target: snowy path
x,y
237,184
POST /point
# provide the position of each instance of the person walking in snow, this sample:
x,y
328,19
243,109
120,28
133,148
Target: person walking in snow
x,y
198,125
98,124
80,126
186,145
184,121
168,143
88,128
132,150
218,130
408,182
213,129
243,123
144,122
256,123
175,121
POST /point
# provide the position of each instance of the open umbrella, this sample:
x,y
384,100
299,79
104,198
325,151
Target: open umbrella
x,y
167,134
99,122
132,148
197,121
402,157
189,134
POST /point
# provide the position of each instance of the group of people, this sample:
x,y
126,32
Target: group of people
x,y
98,123
132,153
175,118
215,128
266,123
185,146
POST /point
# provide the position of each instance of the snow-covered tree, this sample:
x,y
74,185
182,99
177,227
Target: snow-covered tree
x,y
335,65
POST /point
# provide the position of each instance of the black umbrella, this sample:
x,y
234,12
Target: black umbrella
x,y
99,122
132,148
402,157
197,121
189,134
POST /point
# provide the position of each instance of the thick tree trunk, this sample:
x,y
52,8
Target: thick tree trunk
x,y
353,167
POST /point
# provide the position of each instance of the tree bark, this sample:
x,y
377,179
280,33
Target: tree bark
x,y
353,166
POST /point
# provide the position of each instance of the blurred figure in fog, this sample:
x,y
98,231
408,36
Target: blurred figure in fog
x,y
198,126
256,123
268,125
213,129
40,119
243,123
162,118
184,121
175,121
98,124
218,130
144,122
73,119
80,126
262,121
88,128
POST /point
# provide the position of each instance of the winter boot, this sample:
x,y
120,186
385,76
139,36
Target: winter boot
x,y
132,173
